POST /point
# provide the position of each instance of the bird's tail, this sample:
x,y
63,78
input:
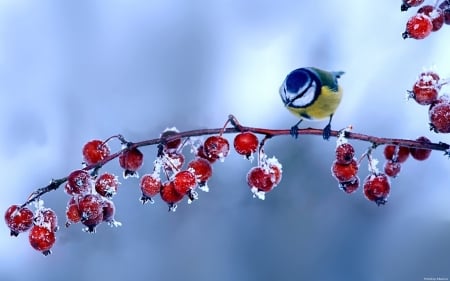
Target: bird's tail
x,y
337,74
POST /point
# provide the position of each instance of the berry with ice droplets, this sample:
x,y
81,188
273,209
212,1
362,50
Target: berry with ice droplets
x,y
276,172
170,195
421,153
439,115
91,210
410,3
445,7
73,214
106,185
345,153
202,169
246,143
79,182
216,147
184,181
150,187
109,211
261,179
95,151
42,239
425,90
172,162
436,15
201,153
392,168
171,146
396,153
349,186
46,218
18,219
418,26
344,172
131,160
377,188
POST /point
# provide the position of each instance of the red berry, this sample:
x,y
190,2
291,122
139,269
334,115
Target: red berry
x,y
246,143
436,15
173,145
276,172
18,219
109,211
216,147
150,187
172,162
106,185
91,210
376,188
439,115
410,3
170,195
95,151
350,186
73,214
344,172
42,239
418,27
47,218
392,168
396,153
201,153
78,182
131,160
345,153
445,7
202,169
420,153
261,179
184,181
425,90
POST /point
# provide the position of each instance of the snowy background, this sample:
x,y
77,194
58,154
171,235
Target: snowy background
x,y
71,71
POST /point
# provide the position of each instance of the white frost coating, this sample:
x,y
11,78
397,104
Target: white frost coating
x,y
157,164
250,158
173,129
341,138
114,223
258,194
373,162
204,187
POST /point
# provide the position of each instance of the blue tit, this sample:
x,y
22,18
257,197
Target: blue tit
x,y
313,94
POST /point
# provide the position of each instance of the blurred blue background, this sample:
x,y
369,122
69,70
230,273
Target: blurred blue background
x,y
71,71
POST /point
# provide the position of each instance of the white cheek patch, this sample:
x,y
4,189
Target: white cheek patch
x,y
306,98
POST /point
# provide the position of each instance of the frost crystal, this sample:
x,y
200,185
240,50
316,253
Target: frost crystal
x,y
203,187
341,137
258,194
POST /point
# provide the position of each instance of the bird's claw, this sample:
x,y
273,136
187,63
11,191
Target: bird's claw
x,y
294,131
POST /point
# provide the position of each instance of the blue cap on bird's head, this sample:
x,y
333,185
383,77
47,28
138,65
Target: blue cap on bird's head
x,y
299,88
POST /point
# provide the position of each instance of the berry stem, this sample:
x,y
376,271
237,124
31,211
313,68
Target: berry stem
x,y
237,127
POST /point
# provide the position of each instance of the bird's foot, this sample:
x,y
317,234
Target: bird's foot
x,y
326,132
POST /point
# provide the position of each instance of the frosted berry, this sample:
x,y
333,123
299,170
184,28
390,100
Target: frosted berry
x,y
436,15
150,187
216,147
184,181
18,219
439,115
377,188
410,3
418,26
91,210
349,186
425,90
276,172
106,185
95,151
109,211
170,195
173,145
392,168
201,153
345,153
261,179
202,169
245,143
420,153
73,214
78,182
46,218
445,7
42,239
172,162
344,172
396,153
131,160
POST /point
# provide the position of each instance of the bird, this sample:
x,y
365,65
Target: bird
x,y
313,94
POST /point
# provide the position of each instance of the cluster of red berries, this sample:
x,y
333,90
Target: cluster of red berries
x,y
426,91
42,225
428,18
